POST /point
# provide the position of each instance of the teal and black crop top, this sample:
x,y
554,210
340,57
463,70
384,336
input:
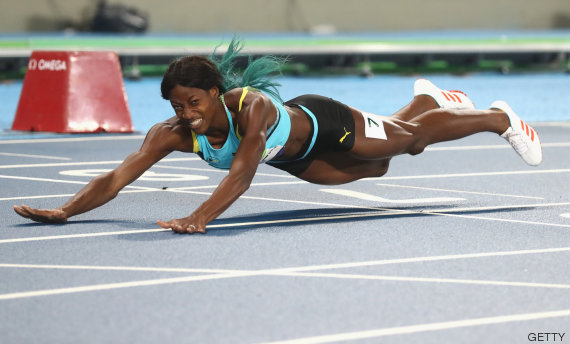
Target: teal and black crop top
x,y
277,136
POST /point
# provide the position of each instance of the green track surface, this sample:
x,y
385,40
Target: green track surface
x,y
126,42
175,45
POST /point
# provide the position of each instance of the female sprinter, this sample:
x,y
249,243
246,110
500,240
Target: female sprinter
x,y
236,122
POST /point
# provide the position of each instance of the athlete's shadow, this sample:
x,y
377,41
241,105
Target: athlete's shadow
x,y
291,218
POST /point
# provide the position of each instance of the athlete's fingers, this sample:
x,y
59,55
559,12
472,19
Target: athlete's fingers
x,y
196,229
33,212
163,224
22,212
28,209
46,215
181,228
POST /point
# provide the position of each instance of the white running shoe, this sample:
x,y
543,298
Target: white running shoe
x,y
445,99
521,136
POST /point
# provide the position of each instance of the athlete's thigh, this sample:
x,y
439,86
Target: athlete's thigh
x,y
381,137
334,168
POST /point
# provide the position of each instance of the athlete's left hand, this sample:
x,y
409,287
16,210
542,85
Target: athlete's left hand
x,y
190,224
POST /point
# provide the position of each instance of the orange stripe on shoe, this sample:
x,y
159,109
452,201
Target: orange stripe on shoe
x,y
457,97
445,95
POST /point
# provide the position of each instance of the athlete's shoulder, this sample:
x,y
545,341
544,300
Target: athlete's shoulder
x,y
239,98
169,135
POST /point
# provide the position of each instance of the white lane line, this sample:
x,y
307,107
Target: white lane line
x,y
50,180
199,169
88,163
499,220
366,179
115,268
142,189
472,174
224,273
65,181
74,139
215,170
79,236
185,188
424,259
458,191
485,147
425,280
293,272
567,215
34,197
300,269
501,207
238,224
36,156
110,286
439,326
373,198
380,212
69,195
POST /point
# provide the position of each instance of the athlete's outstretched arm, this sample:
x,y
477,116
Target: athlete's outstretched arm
x,y
105,187
253,120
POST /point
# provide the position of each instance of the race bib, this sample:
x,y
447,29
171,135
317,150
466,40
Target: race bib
x,y
373,126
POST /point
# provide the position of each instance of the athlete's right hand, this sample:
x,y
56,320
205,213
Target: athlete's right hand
x,y
41,215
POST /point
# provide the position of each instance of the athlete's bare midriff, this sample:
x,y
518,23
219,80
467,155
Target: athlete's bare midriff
x,y
300,131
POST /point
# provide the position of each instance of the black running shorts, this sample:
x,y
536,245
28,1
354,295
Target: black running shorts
x,y
334,126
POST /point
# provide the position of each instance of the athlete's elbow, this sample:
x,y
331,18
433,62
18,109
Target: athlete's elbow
x,y
243,185
241,182
106,185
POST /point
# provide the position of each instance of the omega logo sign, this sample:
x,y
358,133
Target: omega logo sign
x,y
53,65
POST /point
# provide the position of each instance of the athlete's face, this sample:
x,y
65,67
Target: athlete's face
x,y
194,107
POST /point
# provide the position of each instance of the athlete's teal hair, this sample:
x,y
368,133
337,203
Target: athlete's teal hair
x,y
259,73
205,73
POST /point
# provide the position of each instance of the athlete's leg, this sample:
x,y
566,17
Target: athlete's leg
x,y
428,96
430,127
417,106
341,167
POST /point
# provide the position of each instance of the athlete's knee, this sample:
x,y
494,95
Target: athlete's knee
x,y
382,168
417,147
420,137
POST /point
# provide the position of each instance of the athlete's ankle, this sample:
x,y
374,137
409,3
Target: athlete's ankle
x,y
502,121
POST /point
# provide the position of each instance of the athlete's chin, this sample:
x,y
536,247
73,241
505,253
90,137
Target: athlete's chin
x,y
198,130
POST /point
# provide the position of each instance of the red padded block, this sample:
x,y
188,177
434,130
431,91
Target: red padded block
x,y
73,92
